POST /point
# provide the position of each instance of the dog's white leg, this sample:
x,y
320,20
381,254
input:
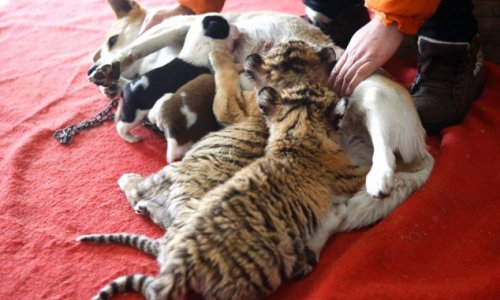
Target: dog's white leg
x,y
379,179
123,128
171,31
175,151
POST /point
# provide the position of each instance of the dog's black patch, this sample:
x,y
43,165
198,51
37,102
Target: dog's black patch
x,y
215,27
165,79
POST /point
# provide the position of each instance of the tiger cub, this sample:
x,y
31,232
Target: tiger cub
x,y
246,235
256,223
174,190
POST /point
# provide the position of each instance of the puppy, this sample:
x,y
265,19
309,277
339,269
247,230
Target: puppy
x,y
186,116
140,95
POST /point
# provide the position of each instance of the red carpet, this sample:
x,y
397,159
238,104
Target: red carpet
x,y
443,243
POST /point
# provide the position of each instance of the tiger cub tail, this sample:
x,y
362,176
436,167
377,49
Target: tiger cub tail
x,y
130,283
139,242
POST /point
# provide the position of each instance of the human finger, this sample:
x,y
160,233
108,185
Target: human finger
x,y
361,74
338,73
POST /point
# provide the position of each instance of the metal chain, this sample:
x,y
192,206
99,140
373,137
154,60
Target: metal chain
x,y
65,135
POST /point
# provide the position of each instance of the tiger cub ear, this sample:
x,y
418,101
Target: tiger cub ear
x,y
337,111
327,55
267,99
253,65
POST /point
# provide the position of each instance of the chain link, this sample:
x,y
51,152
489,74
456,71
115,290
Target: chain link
x,y
65,135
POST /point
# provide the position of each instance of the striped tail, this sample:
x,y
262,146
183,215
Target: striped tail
x,y
140,242
131,283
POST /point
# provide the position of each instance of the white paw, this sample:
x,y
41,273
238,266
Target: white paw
x,y
379,181
129,181
123,130
131,138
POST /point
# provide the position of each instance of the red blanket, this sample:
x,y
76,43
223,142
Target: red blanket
x,y
443,242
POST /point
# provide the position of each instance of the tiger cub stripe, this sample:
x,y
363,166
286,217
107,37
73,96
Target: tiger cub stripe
x,y
130,283
140,242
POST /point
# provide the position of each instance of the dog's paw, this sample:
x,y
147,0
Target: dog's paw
x,y
379,181
110,91
104,74
130,138
123,130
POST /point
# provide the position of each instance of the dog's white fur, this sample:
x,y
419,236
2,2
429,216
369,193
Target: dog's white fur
x,y
380,118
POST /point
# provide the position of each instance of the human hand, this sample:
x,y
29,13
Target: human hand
x,y
370,48
153,17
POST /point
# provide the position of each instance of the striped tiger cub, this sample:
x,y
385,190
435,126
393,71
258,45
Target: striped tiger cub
x,y
247,235
174,190
235,107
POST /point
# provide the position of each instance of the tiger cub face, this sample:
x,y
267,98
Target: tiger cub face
x,y
290,63
305,109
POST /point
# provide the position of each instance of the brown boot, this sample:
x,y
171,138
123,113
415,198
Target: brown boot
x,y
449,77
343,26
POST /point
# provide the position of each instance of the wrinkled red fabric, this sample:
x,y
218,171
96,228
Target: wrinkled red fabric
x,y
442,243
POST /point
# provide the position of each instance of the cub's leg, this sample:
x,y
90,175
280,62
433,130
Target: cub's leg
x,y
128,183
148,195
230,105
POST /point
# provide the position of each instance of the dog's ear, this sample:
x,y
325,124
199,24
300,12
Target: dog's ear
x,y
267,100
215,27
121,7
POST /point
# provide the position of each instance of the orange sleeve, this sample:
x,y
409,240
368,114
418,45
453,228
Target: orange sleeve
x,y
409,15
202,6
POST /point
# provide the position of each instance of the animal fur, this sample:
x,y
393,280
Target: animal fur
x,y
186,116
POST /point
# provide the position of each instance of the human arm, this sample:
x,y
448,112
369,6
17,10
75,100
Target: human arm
x,y
376,42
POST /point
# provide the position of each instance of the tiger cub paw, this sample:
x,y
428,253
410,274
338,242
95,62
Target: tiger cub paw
x,y
128,183
304,265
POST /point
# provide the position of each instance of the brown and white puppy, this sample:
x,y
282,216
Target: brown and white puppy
x,y
186,116
139,95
